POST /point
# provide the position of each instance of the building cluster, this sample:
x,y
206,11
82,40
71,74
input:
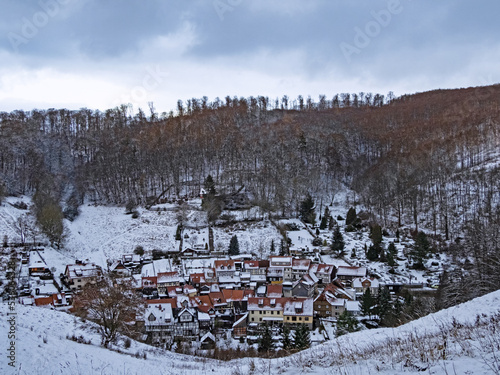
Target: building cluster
x,y
244,295
195,298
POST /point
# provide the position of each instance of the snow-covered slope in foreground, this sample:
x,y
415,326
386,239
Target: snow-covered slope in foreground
x,y
462,340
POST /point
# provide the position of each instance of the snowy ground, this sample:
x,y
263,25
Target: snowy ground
x,y
107,232
453,341
253,238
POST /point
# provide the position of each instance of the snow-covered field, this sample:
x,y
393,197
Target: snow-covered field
x,y
453,341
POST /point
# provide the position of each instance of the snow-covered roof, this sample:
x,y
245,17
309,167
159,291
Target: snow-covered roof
x,y
203,317
263,303
240,320
158,314
274,272
224,265
77,271
251,264
207,336
229,279
351,271
352,306
321,269
168,277
261,289
36,260
275,290
280,261
301,264
156,267
258,278
298,307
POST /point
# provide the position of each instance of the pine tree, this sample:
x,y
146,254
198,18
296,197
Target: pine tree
x,y
266,340
376,234
373,253
384,305
331,222
420,250
178,233
351,217
324,223
302,338
367,303
306,210
272,250
392,249
210,186
338,243
346,323
282,248
234,247
324,220
390,259
285,337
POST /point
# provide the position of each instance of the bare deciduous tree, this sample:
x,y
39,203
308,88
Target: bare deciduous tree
x,y
113,304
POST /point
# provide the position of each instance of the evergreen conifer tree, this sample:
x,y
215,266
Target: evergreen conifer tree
x,y
285,337
390,259
392,249
367,303
351,217
384,305
178,233
373,253
272,250
376,234
346,323
338,243
210,185
266,340
324,220
234,247
302,338
306,210
420,250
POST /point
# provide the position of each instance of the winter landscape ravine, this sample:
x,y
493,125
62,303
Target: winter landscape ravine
x,y
249,187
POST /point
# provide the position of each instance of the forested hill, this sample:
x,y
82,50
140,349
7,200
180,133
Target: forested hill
x,y
429,159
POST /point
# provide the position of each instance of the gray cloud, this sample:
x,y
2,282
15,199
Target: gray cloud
x,y
402,45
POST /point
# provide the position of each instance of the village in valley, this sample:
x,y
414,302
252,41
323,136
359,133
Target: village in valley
x,y
225,284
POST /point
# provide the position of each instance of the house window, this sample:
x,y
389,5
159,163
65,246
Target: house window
x,y
185,318
307,319
294,318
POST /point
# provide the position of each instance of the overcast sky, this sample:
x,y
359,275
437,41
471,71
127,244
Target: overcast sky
x,y
101,53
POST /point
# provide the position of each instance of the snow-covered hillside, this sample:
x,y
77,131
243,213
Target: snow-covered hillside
x,y
464,339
